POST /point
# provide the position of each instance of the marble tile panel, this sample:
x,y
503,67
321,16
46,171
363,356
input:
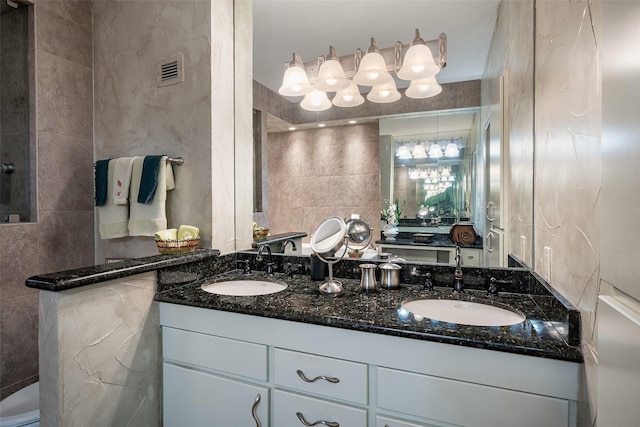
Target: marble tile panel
x,y
66,240
19,336
65,173
63,38
65,97
76,11
18,259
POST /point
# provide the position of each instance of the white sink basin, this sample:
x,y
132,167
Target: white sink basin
x,y
463,312
244,287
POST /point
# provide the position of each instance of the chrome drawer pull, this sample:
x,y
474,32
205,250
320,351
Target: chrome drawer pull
x,y
332,380
254,411
324,423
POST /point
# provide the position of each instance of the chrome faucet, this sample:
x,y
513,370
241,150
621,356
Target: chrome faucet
x,y
457,275
260,258
293,245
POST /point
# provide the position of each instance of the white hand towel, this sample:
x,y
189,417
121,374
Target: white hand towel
x,y
113,219
147,219
121,179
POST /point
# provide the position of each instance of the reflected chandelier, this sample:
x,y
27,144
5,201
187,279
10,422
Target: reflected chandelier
x,y
331,73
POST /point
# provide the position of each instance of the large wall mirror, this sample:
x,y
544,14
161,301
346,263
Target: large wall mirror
x,y
460,193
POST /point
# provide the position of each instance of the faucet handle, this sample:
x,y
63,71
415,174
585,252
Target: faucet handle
x,y
427,282
288,271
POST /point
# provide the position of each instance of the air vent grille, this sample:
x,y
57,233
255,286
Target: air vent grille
x,y
169,71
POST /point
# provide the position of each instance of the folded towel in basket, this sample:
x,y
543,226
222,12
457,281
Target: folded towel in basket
x,y
145,219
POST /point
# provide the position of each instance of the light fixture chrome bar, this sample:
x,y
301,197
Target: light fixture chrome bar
x,y
392,57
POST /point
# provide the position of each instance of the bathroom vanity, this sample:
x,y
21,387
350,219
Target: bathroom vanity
x,y
359,359
299,356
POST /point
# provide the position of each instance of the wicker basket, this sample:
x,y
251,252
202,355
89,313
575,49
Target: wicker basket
x,y
178,246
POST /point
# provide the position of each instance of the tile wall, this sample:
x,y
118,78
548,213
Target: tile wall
x,y
317,173
62,135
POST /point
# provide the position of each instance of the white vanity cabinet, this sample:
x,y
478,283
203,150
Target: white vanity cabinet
x,y
217,363
208,378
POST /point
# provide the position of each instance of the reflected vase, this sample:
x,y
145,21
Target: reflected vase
x,y
390,231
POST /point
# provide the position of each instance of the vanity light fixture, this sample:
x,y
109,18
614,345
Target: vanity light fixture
x,y
292,128
373,69
435,151
321,125
295,81
452,150
316,100
349,97
353,122
384,93
331,75
423,88
419,152
418,62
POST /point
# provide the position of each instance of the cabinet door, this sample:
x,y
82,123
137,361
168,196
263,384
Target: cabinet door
x,y
195,398
467,404
287,406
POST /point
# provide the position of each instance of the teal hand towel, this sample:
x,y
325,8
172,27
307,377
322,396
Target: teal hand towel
x,y
149,179
101,172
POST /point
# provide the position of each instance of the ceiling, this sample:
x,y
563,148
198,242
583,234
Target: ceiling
x,y
308,27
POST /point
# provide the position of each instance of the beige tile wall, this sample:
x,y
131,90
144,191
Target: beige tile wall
x,y
314,174
62,237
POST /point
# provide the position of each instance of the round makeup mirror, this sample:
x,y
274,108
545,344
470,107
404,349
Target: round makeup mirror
x,y
358,233
330,236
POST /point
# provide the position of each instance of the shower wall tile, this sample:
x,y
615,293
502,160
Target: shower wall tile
x,y
63,38
18,259
76,11
65,173
313,174
62,237
66,106
65,241
19,337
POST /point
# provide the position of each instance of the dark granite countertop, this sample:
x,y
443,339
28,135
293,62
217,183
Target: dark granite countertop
x,y
69,279
544,334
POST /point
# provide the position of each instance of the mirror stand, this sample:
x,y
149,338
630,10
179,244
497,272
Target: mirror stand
x,y
330,286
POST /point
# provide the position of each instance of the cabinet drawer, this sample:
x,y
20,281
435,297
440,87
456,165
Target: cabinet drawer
x,y
287,405
348,379
222,354
471,257
466,404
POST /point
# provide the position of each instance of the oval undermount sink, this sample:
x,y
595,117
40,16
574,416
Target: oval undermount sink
x,y
463,312
244,287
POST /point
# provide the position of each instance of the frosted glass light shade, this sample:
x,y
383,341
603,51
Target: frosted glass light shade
x,y
451,150
372,71
295,82
423,88
384,93
316,100
404,152
349,97
435,151
418,63
419,152
331,77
